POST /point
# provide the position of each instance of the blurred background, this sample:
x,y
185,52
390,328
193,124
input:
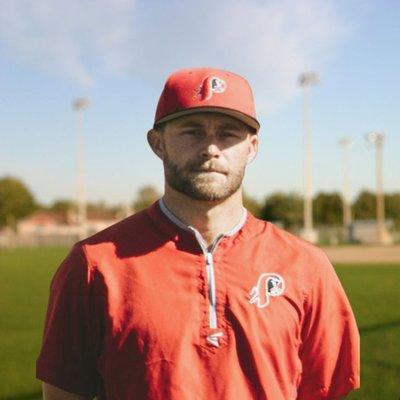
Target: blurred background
x,y
79,84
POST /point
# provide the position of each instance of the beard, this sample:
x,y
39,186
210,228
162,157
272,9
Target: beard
x,y
195,180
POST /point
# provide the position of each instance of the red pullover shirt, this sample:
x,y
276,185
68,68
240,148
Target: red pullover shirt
x,y
143,310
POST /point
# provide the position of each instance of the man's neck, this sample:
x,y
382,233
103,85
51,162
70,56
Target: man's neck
x,y
210,218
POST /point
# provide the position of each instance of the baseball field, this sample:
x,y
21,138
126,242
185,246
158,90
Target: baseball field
x,y
25,274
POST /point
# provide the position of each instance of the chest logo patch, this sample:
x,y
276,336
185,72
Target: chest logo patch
x,y
268,285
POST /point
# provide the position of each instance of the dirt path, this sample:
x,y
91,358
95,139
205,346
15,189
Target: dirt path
x,y
364,254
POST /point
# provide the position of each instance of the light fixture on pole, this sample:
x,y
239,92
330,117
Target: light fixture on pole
x,y
345,143
306,81
78,106
377,139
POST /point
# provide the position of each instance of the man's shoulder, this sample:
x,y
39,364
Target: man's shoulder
x,y
287,245
271,232
128,229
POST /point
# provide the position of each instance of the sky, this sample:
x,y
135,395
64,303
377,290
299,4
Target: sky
x,y
119,53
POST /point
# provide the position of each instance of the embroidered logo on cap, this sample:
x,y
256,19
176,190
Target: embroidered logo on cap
x,y
209,86
267,285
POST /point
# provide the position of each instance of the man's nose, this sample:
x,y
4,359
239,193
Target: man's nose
x,y
210,148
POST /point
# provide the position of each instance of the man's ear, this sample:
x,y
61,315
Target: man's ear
x,y
253,148
155,139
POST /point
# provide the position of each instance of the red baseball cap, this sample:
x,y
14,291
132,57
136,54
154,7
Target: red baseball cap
x,y
194,90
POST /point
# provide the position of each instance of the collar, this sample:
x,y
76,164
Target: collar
x,y
169,214
184,236
182,225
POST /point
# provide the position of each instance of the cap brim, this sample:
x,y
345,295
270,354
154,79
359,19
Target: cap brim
x,y
251,122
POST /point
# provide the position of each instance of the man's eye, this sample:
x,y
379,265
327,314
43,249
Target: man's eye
x,y
191,132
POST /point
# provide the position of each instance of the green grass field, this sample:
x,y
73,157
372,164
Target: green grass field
x,y
25,276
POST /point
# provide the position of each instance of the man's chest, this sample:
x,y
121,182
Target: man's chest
x,y
158,306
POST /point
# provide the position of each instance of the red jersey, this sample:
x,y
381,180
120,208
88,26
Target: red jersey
x,y
144,310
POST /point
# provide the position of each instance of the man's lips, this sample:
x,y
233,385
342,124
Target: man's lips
x,y
208,170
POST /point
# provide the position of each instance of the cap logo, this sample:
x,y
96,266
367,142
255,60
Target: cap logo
x,y
268,285
209,86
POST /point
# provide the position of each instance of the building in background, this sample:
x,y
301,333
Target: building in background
x,y
50,228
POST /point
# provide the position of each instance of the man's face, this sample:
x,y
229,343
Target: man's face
x,y
205,155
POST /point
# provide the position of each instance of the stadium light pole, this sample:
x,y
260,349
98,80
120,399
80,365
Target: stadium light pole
x,y
79,105
345,143
377,139
306,81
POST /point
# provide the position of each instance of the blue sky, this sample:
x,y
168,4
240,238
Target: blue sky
x,y
120,52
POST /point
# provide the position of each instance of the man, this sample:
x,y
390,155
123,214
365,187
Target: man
x,y
194,298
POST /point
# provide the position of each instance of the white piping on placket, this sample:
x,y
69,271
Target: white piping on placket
x,y
212,296
214,337
213,322
211,291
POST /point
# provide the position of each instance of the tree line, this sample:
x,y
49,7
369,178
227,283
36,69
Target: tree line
x,y
287,208
17,201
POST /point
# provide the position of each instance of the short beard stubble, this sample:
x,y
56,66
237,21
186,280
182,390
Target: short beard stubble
x,y
198,187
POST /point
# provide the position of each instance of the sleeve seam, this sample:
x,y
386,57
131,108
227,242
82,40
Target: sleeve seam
x,y
90,266
321,259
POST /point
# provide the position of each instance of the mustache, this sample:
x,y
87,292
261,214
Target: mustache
x,y
208,166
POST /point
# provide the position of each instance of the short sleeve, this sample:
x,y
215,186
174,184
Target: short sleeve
x,y
72,329
330,351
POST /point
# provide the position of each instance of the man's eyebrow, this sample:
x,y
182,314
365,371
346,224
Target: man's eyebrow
x,y
228,125
191,124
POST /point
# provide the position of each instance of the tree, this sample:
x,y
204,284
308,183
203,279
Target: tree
x,y
284,208
16,201
62,206
146,196
98,207
328,208
251,204
392,206
364,207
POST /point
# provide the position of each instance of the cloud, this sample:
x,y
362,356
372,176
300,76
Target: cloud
x,y
270,42
73,39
